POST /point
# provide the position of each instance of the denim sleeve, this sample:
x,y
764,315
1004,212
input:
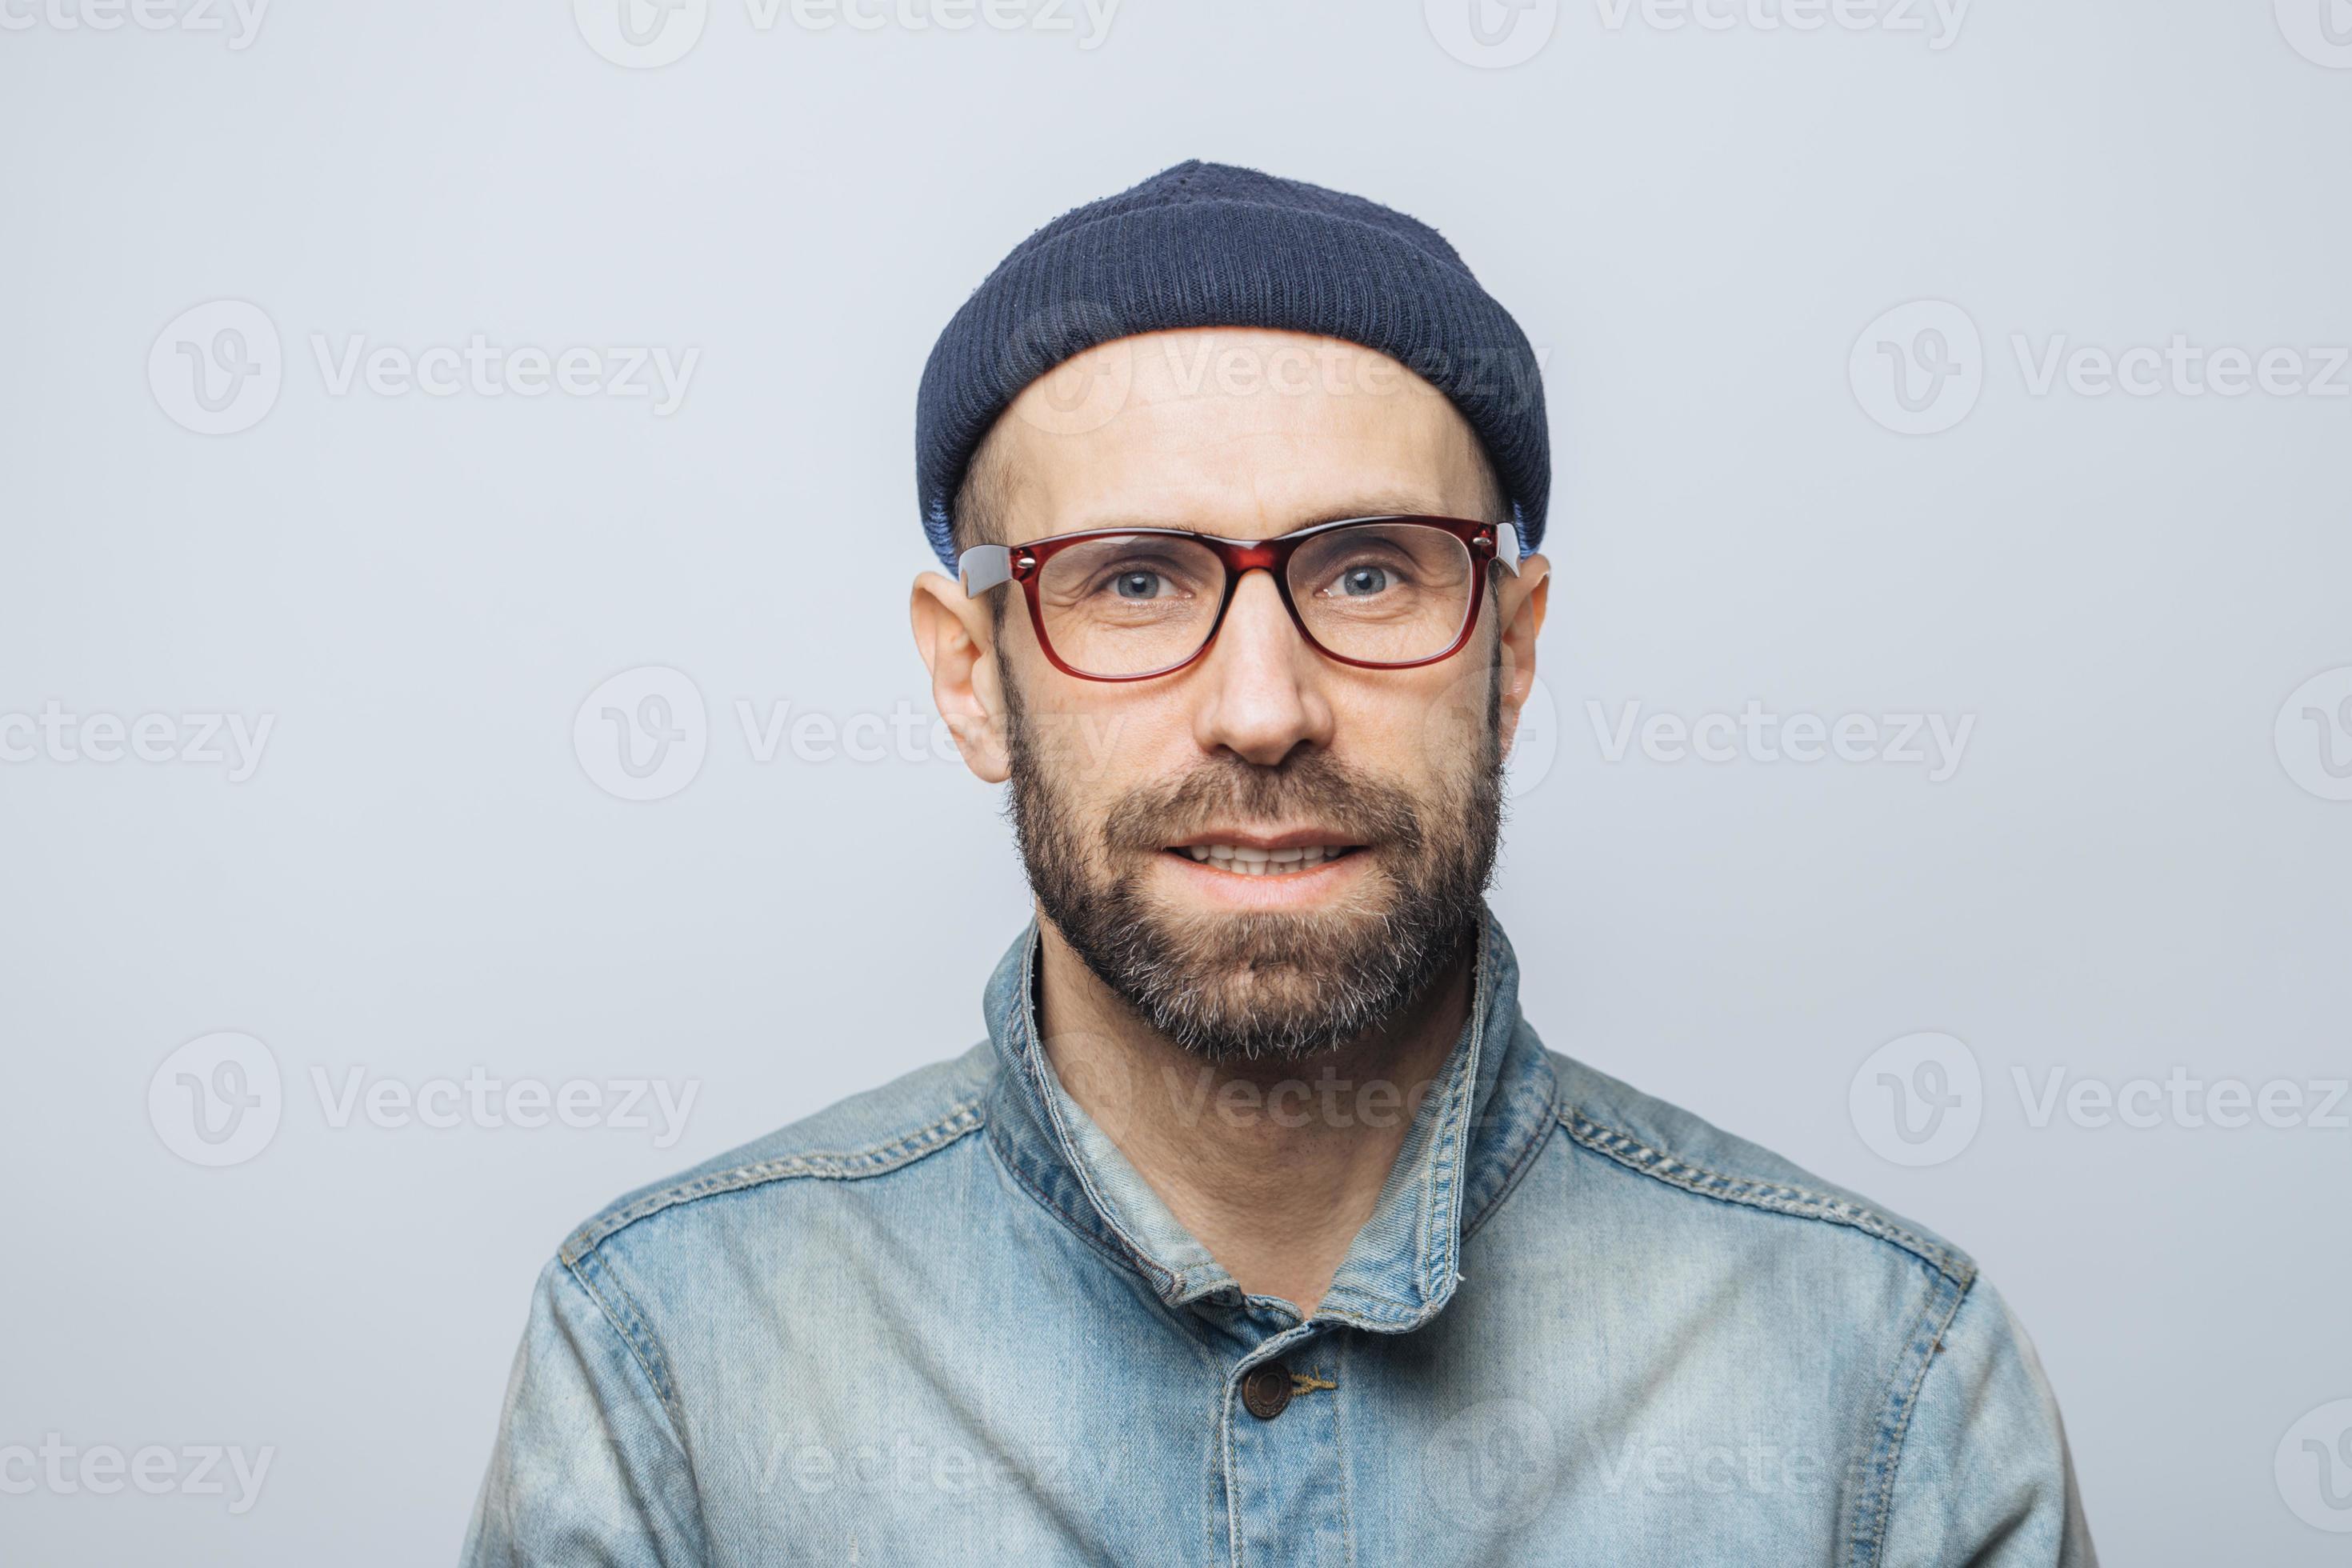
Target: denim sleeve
x,y
1984,1478
588,1471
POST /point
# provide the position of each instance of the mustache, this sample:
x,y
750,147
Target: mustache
x,y
1308,786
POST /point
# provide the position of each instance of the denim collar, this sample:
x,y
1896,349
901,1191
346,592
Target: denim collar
x,y
1485,1116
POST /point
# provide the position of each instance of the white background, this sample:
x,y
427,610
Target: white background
x,y
1694,226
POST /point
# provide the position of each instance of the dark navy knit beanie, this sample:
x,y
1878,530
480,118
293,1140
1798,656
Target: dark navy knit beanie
x,y
1209,245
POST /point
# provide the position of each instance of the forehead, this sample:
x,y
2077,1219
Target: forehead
x,y
1239,431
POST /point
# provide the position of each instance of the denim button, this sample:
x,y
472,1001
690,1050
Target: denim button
x,y
1265,1392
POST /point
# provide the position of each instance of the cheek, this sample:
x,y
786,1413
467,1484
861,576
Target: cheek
x,y
1419,727
1096,743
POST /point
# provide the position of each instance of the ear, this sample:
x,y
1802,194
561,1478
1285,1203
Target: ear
x,y
1520,608
957,637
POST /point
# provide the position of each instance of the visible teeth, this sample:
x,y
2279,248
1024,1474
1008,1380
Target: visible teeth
x,y
1252,862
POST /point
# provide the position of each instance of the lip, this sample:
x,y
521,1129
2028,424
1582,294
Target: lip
x,y
1241,891
1290,838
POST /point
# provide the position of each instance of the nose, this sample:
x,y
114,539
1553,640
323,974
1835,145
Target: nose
x,y
1261,685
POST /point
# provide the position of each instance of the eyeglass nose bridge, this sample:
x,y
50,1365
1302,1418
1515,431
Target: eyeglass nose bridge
x,y
1271,556
1265,556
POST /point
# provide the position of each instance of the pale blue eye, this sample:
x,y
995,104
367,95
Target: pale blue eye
x,y
1136,585
1358,580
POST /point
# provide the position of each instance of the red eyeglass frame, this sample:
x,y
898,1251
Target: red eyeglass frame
x,y
984,567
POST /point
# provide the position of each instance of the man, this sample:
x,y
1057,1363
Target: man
x,y
1262,1228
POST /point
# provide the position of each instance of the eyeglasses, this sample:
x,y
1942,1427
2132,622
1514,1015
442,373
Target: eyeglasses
x,y
1380,593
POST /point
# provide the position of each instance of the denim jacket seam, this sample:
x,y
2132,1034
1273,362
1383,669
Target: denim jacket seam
x,y
877,1160
1440,1238
1771,1198
1402,1314
1886,1459
1340,1454
1161,1278
1136,1264
619,1308
1429,1241
1496,1113
1231,1471
1519,1167
1215,1501
1029,1051
1029,1054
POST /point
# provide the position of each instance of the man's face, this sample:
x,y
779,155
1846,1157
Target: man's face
x,y
1269,853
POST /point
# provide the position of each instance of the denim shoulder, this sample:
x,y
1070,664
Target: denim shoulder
x,y
1612,1122
870,1134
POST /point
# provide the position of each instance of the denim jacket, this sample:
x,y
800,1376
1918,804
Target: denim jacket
x,y
945,1321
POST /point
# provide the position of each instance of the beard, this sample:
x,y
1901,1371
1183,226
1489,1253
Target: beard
x,y
1266,986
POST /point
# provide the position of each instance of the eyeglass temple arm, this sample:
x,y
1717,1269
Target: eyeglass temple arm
x,y
1507,547
984,566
